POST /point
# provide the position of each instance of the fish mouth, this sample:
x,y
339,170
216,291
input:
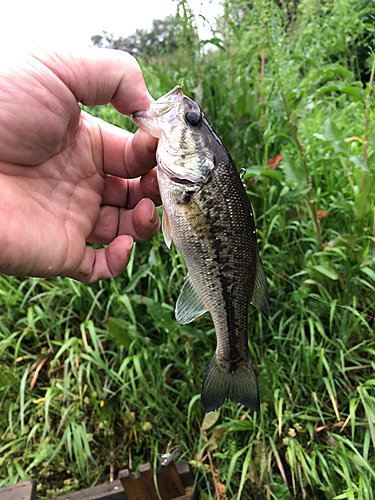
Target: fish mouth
x,y
165,103
162,105
148,119
138,114
173,96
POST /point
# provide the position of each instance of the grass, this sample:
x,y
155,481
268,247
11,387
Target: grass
x,y
101,377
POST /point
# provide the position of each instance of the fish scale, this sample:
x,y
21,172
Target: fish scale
x,y
209,217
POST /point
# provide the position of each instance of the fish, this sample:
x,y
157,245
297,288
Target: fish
x,y
208,216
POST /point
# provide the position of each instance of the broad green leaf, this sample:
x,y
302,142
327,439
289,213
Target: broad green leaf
x,y
331,131
330,69
215,41
329,273
369,272
357,162
274,174
210,420
355,91
119,329
293,170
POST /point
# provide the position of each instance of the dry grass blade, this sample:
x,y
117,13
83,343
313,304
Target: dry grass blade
x,y
39,366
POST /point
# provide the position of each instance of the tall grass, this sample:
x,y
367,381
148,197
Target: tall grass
x,y
96,378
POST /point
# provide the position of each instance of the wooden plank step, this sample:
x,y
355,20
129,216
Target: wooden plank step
x,y
174,482
184,471
20,491
188,494
112,490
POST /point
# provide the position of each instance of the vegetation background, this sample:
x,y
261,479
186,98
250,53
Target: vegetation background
x,y
101,377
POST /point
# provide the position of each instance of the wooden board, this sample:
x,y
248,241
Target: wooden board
x,y
133,485
189,491
175,482
107,491
171,480
184,471
20,491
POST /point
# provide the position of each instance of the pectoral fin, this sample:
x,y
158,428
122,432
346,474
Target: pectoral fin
x,y
195,218
189,305
166,229
260,294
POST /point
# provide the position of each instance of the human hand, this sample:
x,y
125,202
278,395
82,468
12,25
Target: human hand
x,y
67,178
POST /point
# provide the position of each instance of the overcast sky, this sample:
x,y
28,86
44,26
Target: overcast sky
x,y
73,22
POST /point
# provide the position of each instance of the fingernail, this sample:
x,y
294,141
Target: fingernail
x,y
155,186
129,245
154,219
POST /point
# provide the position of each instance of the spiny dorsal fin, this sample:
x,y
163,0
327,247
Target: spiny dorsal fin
x,y
189,305
260,294
166,229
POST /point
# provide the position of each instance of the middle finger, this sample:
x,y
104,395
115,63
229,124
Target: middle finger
x,y
126,193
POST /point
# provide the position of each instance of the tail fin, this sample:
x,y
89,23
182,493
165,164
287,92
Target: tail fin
x,y
220,384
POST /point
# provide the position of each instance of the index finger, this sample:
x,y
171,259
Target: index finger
x,y
125,154
119,152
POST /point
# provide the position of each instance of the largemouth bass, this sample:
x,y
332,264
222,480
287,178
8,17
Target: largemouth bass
x,y
209,217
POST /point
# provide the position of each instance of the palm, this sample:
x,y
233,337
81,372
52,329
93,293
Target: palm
x,y
53,202
56,193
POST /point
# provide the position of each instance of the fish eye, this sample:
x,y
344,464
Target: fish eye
x,y
193,118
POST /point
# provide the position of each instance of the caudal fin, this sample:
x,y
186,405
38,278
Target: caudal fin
x,y
220,384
